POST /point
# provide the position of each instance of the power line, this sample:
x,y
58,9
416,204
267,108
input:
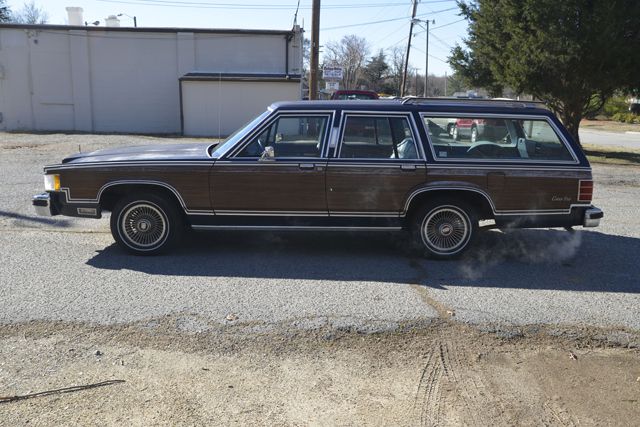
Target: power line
x,y
430,56
386,20
447,24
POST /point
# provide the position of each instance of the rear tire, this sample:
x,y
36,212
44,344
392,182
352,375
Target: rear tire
x,y
146,224
444,228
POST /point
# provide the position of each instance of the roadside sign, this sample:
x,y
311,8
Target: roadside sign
x,y
332,86
332,73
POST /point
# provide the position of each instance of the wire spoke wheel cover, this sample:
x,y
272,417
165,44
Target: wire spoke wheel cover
x,y
143,225
446,230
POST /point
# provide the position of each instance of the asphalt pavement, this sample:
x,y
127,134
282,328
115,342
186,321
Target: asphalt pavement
x,y
65,269
610,139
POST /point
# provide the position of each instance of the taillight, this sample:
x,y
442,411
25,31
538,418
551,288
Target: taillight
x,y
585,191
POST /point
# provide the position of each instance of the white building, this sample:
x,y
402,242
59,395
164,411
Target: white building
x,y
143,80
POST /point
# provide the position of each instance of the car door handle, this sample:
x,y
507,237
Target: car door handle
x,y
408,168
306,166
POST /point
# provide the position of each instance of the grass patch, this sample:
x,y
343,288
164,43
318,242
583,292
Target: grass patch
x,y
619,156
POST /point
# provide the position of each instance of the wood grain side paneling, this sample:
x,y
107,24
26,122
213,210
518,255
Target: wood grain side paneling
x,y
191,182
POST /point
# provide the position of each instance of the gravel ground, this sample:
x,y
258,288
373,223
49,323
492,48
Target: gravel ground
x,y
531,327
68,269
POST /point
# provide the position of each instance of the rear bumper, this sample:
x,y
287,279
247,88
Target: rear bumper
x,y
586,216
592,217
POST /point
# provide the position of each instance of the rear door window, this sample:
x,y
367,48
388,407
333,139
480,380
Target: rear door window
x,y
377,137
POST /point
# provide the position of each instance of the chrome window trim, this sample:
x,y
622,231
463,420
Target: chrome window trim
x,y
210,152
232,153
555,128
380,113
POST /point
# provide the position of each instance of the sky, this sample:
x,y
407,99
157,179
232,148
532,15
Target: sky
x,y
384,23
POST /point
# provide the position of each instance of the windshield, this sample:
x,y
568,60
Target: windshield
x,y
222,148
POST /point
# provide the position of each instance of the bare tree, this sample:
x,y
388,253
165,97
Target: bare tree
x,y
30,13
396,68
350,53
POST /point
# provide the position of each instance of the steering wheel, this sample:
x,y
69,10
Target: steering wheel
x,y
260,145
483,150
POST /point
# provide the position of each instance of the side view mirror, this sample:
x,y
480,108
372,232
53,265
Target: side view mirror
x,y
267,154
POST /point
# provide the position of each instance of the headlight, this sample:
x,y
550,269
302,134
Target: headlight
x,y
52,182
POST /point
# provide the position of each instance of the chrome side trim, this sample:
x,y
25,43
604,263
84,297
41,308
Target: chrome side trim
x,y
493,208
423,190
270,213
352,163
291,228
164,163
391,214
514,167
71,200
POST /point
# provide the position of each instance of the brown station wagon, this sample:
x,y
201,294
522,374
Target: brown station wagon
x,y
340,165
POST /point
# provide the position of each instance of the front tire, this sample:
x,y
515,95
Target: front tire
x,y
146,224
444,228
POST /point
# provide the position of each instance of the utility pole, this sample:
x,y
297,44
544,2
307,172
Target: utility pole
x,y
426,65
406,59
445,83
315,50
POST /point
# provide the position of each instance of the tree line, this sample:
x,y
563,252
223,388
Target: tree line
x,y
29,13
382,71
574,55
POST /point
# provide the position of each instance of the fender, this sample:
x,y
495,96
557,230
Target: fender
x,y
447,185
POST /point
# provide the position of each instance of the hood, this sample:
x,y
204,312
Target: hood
x,y
186,151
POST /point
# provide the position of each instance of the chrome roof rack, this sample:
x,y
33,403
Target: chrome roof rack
x,y
502,102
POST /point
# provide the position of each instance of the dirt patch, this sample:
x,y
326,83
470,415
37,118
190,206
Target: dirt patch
x,y
445,374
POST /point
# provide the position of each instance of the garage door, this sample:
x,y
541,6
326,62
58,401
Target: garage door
x,y
219,108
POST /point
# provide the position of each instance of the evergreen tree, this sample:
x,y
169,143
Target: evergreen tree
x,y
572,54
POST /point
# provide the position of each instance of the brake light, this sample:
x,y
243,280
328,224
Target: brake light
x,y
585,191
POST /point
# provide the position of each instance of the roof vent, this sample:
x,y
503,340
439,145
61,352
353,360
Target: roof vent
x,y
112,21
74,15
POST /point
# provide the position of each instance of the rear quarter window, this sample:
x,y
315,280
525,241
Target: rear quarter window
x,y
495,138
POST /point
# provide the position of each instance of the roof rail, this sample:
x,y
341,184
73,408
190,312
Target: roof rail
x,y
474,101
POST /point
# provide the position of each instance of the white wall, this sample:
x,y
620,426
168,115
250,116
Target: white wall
x,y
220,108
76,79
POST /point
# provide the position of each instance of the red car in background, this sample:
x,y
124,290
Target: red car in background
x,y
474,129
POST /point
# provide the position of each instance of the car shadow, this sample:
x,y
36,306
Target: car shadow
x,y
529,259
19,218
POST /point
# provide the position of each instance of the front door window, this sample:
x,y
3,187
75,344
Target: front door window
x,y
290,137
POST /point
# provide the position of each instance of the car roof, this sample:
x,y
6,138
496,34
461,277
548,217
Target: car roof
x,y
485,106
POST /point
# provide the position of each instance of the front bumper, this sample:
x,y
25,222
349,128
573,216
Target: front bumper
x,y
54,203
592,217
43,206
